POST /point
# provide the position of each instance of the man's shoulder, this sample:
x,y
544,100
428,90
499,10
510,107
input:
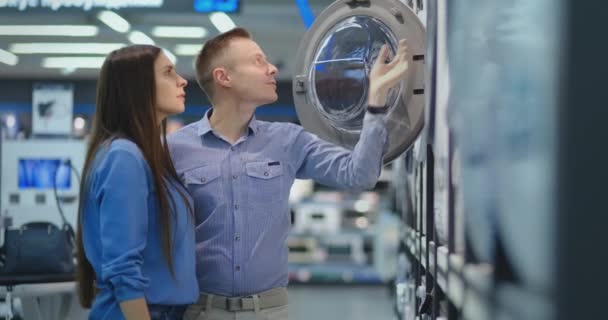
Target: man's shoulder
x,y
282,128
186,133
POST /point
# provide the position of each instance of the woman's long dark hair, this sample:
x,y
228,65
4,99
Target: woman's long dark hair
x,y
125,108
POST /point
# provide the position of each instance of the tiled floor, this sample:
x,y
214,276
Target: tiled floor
x,y
318,302
311,302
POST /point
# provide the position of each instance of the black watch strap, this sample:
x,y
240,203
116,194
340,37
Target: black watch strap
x,y
377,110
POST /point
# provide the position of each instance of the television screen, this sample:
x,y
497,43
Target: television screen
x,y
39,173
229,6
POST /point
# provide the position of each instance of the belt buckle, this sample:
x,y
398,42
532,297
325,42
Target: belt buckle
x,y
233,304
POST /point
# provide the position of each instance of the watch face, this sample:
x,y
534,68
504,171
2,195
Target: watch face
x,y
331,81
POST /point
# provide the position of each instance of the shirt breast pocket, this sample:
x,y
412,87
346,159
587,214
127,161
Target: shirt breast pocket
x,y
265,182
205,185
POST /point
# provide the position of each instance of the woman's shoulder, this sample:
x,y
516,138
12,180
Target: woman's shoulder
x,y
120,152
124,146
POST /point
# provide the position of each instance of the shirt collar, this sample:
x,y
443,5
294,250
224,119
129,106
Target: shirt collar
x,y
204,126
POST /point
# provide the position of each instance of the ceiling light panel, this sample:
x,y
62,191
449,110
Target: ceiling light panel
x,y
138,37
179,32
64,48
188,49
73,62
114,21
52,30
8,58
222,21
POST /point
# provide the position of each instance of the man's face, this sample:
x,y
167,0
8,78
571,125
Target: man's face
x,y
251,75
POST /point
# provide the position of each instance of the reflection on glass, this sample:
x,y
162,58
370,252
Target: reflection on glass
x,y
339,72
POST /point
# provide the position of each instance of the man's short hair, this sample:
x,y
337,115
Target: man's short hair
x,y
207,58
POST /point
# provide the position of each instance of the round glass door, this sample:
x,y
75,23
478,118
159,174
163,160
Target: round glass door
x,y
332,67
339,73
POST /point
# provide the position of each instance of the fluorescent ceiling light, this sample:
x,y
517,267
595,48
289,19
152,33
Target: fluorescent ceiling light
x,y
138,37
179,32
68,71
170,55
73,62
222,21
8,58
45,30
114,21
64,48
188,49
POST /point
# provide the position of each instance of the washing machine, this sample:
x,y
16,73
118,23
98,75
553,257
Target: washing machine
x,y
332,68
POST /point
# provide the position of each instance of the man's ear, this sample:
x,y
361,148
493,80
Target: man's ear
x,y
221,77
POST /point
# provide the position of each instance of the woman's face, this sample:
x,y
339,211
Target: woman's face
x,y
170,95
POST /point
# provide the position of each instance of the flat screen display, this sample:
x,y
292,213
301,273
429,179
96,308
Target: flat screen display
x,y
39,173
216,5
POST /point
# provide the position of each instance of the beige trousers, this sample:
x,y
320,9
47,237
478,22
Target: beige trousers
x,y
268,305
277,313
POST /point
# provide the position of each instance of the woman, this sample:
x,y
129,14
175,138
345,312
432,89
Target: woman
x,y
136,231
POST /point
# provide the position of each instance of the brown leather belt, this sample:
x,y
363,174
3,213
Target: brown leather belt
x,y
268,299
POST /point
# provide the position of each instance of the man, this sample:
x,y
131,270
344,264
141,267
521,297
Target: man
x,y
239,171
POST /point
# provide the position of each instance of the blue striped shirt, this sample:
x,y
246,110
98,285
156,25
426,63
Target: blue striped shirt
x,y
241,192
121,235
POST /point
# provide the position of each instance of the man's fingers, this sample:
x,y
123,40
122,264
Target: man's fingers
x,y
400,55
402,47
403,56
383,54
396,60
400,58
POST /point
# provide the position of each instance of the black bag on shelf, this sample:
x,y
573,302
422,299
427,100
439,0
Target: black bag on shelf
x,y
38,248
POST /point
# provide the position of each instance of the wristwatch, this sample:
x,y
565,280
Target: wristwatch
x,y
377,110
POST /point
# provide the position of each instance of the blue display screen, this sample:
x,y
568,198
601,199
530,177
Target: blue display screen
x,y
216,5
39,173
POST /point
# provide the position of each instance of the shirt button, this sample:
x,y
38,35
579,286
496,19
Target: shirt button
x,y
203,179
266,174
234,177
236,207
237,238
231,148
238,268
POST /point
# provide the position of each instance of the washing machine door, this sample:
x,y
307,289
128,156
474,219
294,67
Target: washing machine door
x,y
330,84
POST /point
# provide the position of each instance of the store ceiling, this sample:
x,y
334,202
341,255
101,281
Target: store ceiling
x,y
276,25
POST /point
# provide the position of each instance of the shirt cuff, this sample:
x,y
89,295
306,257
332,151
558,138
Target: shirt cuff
x,y
126,288
377,109
375,120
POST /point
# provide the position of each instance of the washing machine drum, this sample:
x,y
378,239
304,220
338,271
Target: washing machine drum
x,y
330,84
